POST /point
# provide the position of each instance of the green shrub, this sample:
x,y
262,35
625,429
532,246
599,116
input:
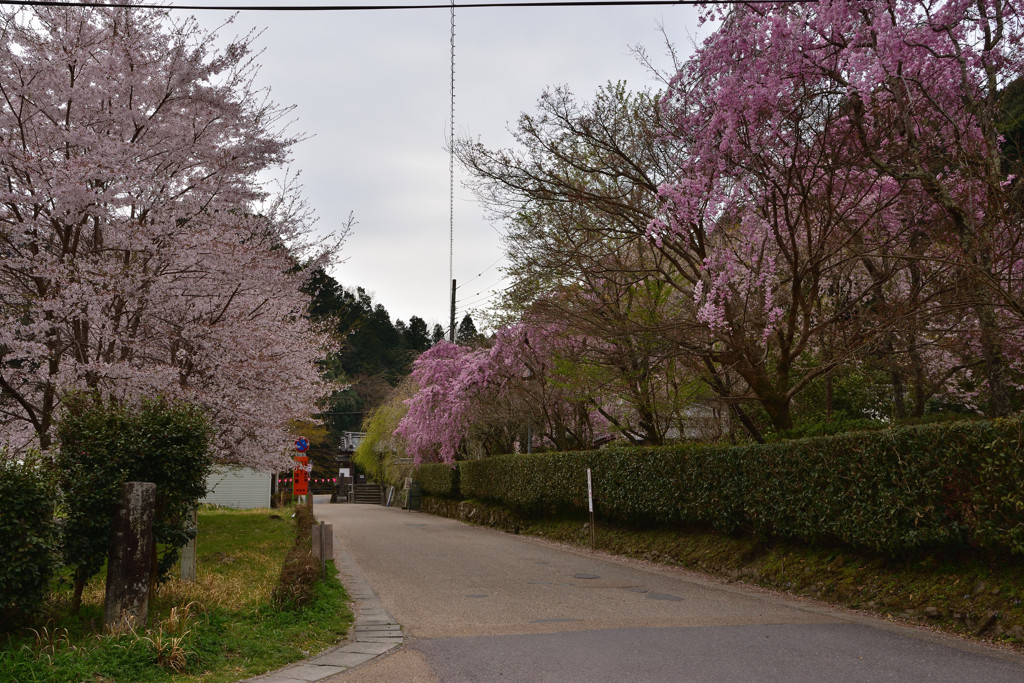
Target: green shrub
x,y
945,486
438,479
27,539
104,445
829,427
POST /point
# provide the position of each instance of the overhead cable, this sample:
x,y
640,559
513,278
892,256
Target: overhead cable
x,y
370,8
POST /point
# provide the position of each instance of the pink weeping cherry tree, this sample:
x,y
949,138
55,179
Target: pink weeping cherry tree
x,y
846,146
484,401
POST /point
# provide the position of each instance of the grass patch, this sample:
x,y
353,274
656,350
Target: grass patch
x,y
223,627
968,595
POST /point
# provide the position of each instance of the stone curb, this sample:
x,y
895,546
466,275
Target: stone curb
x,y
374,632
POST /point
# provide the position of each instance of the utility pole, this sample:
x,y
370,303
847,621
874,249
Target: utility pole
x,y
451,326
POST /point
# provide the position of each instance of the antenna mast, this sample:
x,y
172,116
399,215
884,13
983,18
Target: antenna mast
x,y
451,184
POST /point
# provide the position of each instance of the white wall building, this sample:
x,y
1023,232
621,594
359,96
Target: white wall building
x,y
237,487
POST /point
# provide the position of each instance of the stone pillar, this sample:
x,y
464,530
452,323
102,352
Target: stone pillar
x,y
188,553
128,566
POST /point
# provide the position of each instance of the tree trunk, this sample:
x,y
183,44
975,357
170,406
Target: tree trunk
x,y
747,423
76,597
828,396
995,367
899,403
920,392
716,383
778,409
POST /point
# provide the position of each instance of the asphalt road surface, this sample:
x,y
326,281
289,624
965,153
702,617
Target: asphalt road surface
x,y
480,605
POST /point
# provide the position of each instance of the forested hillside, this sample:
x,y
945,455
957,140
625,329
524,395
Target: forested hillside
x,y
372,354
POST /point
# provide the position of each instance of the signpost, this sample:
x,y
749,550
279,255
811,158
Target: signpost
x,y
590,505
300,481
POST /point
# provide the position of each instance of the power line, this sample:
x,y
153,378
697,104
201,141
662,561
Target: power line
x,y
490,288
478,275
476,300
372,8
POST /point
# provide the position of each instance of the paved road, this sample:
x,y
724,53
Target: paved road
x,y
479,605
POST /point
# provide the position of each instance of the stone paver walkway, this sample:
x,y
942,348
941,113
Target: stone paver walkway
x,y
373,633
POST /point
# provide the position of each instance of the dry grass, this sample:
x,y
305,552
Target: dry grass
x,y
168,638
49,640
222,627
245,575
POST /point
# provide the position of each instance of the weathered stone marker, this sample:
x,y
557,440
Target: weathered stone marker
x,y
188,553
127,598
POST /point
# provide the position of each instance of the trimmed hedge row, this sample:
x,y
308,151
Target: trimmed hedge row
x,y
438,480
942,486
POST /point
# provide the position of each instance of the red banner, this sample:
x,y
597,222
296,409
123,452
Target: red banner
x,y
300,487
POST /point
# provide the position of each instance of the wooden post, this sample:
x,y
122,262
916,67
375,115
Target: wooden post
x,y
128,566
323,545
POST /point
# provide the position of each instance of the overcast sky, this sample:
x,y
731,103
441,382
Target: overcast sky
x,y
372,89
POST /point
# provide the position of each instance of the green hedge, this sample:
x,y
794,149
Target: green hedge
x,y
28,534
943,486
438,479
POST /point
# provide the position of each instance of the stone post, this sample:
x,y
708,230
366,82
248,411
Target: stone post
x,y
188,553
128,566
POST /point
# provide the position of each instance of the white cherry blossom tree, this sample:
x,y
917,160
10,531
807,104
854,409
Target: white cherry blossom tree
x,y
140,253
